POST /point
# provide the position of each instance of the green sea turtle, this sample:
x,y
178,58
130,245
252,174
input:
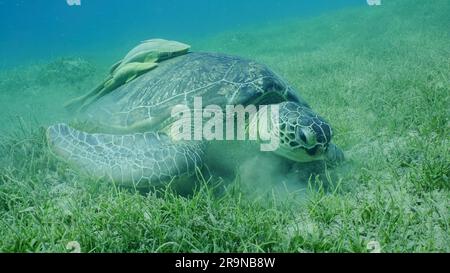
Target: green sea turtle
x,y
130,140
139,60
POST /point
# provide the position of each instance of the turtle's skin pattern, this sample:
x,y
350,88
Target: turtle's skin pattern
x,y
131,144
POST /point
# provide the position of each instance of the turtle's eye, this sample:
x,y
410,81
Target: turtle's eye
x,y
307,137
301,135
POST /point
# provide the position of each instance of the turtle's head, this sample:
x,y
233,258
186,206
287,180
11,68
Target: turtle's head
x,y
304,136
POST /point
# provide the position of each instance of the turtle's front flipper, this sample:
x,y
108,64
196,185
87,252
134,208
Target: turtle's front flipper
x,y
143,159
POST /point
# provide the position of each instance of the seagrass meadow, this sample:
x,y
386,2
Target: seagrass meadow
x,y
381,77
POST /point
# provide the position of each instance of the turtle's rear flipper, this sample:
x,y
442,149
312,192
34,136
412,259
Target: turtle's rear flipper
x,y
140,160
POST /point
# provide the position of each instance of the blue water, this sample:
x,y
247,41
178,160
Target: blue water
x,y
42,29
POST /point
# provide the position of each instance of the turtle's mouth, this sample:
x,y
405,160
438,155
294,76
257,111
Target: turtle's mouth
x,y
301,154
313,151
297,150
